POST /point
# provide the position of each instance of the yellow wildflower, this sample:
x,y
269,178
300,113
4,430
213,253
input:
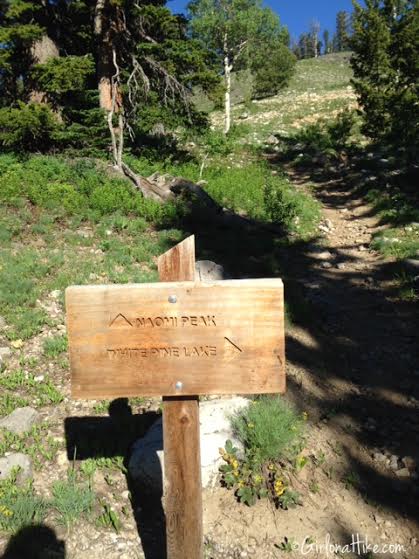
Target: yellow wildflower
x,y
279,487
251,425
257,479
235,464
305,415
271,467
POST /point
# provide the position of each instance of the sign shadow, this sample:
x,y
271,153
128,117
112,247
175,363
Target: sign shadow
x,y
113,436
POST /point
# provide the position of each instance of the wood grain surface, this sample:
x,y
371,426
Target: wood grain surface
x,y
182,457
225,337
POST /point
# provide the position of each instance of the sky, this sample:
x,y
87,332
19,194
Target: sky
x,y
295,14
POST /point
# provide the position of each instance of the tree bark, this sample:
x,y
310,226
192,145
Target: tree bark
x,y
42,50
227,77
102,33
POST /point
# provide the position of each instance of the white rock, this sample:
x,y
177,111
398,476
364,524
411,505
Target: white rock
x,y
146,465
20,420
17,459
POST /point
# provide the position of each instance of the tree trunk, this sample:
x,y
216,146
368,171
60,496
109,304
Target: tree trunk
x,y
227,77
42,50
104,68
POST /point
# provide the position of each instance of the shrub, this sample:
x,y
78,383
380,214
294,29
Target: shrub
x,y
272,66
296,211
19,506
71,499
270,429
328,136
28,127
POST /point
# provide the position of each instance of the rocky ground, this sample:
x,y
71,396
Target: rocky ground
x,y
352,365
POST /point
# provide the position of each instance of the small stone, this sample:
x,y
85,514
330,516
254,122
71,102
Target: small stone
x,y
379,457
17,459
125,495
20,420
325,255
272,140
39,378
388,524
326,265
362,248
5,352
61,458
394,462
403,473
341,266
55,294
410,463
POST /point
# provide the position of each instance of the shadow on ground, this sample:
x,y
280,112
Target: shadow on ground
x,y
365,341
112,436
35,542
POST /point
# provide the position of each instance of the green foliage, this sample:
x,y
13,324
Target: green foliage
x,y
36,443
297,212
328,137
109,518
28,127
240,33
252,480
19,506
53,347
270,429
272,66
9,402
71,499
385,64
80,188
396,208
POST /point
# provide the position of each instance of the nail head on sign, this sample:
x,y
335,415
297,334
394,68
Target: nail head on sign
x,y
179,385
172,299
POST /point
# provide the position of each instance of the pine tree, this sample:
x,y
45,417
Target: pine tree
x,y
342,31
386,70
91,59
326,42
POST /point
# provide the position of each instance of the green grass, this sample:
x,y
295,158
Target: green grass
x,y
270,429
324,73
36,443
41,392
71,500
53,347
19,505
397,209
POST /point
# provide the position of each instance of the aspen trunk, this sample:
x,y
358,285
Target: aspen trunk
x,y
227,77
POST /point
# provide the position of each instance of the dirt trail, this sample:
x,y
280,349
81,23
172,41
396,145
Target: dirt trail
x,y
352,364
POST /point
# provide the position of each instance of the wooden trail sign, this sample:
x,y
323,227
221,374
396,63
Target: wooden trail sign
x,y
178,339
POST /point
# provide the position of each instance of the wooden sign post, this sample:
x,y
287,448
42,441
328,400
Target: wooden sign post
x,y
178,339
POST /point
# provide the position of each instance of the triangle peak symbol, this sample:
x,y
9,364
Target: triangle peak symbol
x,y
120,320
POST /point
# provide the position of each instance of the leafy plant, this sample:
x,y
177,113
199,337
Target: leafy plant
x,y
54,346
297,212
19,505
270,429
109,518
71,499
